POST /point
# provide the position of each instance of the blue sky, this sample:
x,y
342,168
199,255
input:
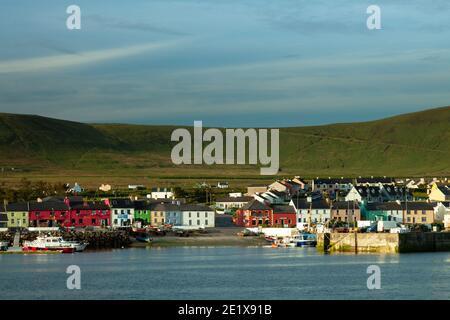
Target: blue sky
x,y
236,63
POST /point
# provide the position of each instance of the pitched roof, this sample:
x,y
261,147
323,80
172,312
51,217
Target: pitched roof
x,y
48,206
165,207
445,190
283,209
195,207
90,205
18,206
383,206
419,205
235,199
366,191
122,203
333,181
345,205
384,180
315,204
255,205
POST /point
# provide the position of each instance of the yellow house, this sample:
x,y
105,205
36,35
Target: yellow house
x,y
17,214
439,193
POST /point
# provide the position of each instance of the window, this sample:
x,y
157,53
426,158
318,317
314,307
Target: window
x,y
424,212
189,214
409,219
190,222
424,219
198,214
24,221
80,221
198,222
12,221
94,221
206,214
206,222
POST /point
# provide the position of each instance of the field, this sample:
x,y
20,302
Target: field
x,y
40,148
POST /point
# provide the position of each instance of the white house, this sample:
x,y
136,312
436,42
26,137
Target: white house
x,y
441,210
122,212
311,212
232,202
196,215
161,193
364,193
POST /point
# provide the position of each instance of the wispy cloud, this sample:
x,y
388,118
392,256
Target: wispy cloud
x,y
132,25
71,60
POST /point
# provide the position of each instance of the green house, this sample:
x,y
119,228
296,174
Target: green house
x,y
381,211
142,212
17,214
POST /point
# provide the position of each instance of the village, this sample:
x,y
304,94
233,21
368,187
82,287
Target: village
x,y
287,212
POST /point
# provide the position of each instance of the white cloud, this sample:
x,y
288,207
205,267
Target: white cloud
x,y
71,60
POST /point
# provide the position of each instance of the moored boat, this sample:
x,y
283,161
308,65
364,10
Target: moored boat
x,y
4,245
53,244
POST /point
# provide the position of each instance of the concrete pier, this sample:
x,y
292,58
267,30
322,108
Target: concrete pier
x,y
384,242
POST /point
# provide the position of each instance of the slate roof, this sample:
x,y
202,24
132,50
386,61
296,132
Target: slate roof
x,y
121,203
195,207
90,205
365,191
383,180
345,205
255,205
235,199
48,206
315,204
445,190
18,206
333,181
283,209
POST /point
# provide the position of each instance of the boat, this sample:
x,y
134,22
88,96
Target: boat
x,y
4,245
143,238
304,240
47,243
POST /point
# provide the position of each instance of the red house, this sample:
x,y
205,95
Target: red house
x,y
284,216
48,214
89,214
254,214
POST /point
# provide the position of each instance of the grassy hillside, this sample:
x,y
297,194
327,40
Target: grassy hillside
x,y
411,144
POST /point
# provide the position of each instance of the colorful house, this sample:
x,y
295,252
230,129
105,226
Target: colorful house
x,y
142,212
89,214
122,212
197,215
346,211
254,214
165,213
439,193
3,219
17,214
311,212
48,214
284,216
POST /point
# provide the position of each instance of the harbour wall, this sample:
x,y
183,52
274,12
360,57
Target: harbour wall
x,y
384,242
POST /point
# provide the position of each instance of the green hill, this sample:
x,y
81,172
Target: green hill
x,y
409,144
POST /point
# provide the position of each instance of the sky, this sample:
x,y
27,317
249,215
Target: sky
x,y
229,63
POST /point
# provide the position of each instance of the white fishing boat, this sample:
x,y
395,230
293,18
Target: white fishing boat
x,y
4,245
53,243
303,240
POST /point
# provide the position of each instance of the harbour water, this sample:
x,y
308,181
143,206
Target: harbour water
x,y
225,273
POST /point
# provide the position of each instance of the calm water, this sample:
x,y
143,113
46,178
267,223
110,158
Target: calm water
x,y
224,273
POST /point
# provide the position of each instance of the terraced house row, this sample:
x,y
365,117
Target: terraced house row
x,y
76,212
